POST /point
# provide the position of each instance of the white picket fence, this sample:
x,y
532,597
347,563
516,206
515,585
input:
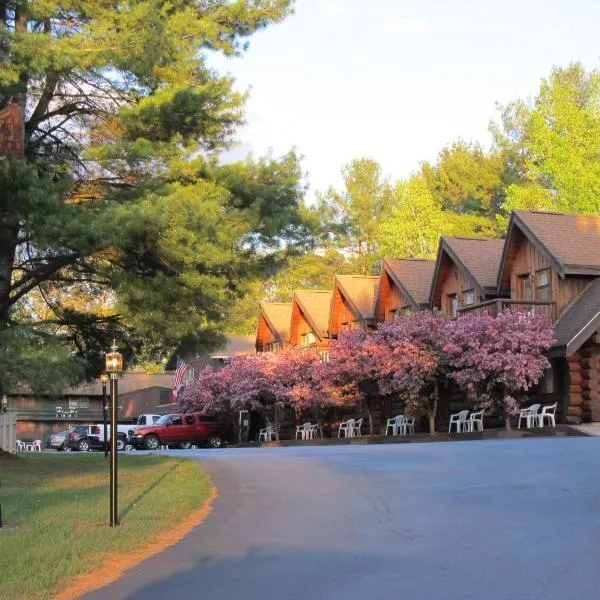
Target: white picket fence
x,y
8,431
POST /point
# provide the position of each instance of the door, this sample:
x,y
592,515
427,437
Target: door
x,y
174,429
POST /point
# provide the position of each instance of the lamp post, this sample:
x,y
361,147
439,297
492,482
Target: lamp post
x,y
114,365
104,380
4,403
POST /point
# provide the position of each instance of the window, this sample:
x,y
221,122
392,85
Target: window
x,y
407,310
95,430
543,285
189,420
453,304
547,382
207,419
176,420
324,355
525,287
468,298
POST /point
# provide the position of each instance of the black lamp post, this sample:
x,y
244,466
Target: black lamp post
x,y
114,365
105,405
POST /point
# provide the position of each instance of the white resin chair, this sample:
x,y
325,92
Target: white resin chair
x,y
20,446
356,428
475,422
37,446
313,434
548,413
408,426
347,427
459,419
394,423
304,430
264,435
530,415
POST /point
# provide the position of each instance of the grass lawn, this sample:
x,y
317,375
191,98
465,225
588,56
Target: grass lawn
x,y
55,511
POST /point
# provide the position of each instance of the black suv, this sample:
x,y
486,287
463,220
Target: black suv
x,y
84,438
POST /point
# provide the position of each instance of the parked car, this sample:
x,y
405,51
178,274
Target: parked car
x,y
180,429
84,438
57,441
141,421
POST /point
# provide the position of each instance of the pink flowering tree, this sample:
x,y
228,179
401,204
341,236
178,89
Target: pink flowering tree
x,y
500,358
429,333
297,381
365,365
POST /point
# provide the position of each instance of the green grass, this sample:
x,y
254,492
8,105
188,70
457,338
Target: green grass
x,y
55,510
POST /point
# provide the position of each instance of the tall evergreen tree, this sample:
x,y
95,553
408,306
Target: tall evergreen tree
x,y
120,194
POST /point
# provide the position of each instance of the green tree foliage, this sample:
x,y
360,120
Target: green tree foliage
x,y
555,142
350,218
120,194
467,179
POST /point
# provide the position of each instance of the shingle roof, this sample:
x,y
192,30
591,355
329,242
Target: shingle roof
x,y
573,241
128,382
580,320
415,275
480,256
315,305
237,345
361,291
279,316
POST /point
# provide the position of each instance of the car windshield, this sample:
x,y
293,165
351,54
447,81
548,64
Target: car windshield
x,y
163,420
80,429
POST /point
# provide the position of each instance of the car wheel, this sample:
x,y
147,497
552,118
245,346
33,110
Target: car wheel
x,y
215,441
83,446
121,443
151,442
185,445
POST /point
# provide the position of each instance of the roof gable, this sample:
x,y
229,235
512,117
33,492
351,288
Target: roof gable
x,y
278,316
571,242
360,292
314,305
477,258
413,276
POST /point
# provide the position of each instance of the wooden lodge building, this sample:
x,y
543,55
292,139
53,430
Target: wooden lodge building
x,y
310,319
548,263
353,303
465,273
273,331
404,287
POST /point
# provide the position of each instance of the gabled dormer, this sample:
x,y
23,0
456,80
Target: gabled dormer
x,y
549,258
404,287
310,319
465,273
273,331
353,303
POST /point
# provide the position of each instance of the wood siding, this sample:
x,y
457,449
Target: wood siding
x,y
455,282
301,326
264,334
340,313
391,299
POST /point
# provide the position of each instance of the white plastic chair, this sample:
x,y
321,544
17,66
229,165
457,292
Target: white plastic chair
x,y
475,421
20,446
303,430
37,446
265,434
394,423
530,415
347,427
548,412
408,426
355,432
459,419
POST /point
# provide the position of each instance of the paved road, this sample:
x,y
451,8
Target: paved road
x,y
493,520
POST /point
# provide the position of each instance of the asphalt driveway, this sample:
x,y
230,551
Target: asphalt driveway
x,y
491,520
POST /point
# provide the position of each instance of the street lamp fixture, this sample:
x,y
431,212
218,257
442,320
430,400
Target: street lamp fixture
x,y
4,403
114,365
105,406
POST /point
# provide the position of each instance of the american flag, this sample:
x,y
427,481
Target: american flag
x,y
180,379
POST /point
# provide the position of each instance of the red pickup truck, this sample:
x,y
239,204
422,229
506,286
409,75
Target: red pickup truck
x,y
183,429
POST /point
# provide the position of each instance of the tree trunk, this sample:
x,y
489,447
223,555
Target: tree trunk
x,y
370,415
507,424
433,413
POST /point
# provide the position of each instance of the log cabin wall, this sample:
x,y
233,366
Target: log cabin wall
x,y
300,326
456,282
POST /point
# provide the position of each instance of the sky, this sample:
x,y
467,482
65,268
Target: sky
x,y
398,80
